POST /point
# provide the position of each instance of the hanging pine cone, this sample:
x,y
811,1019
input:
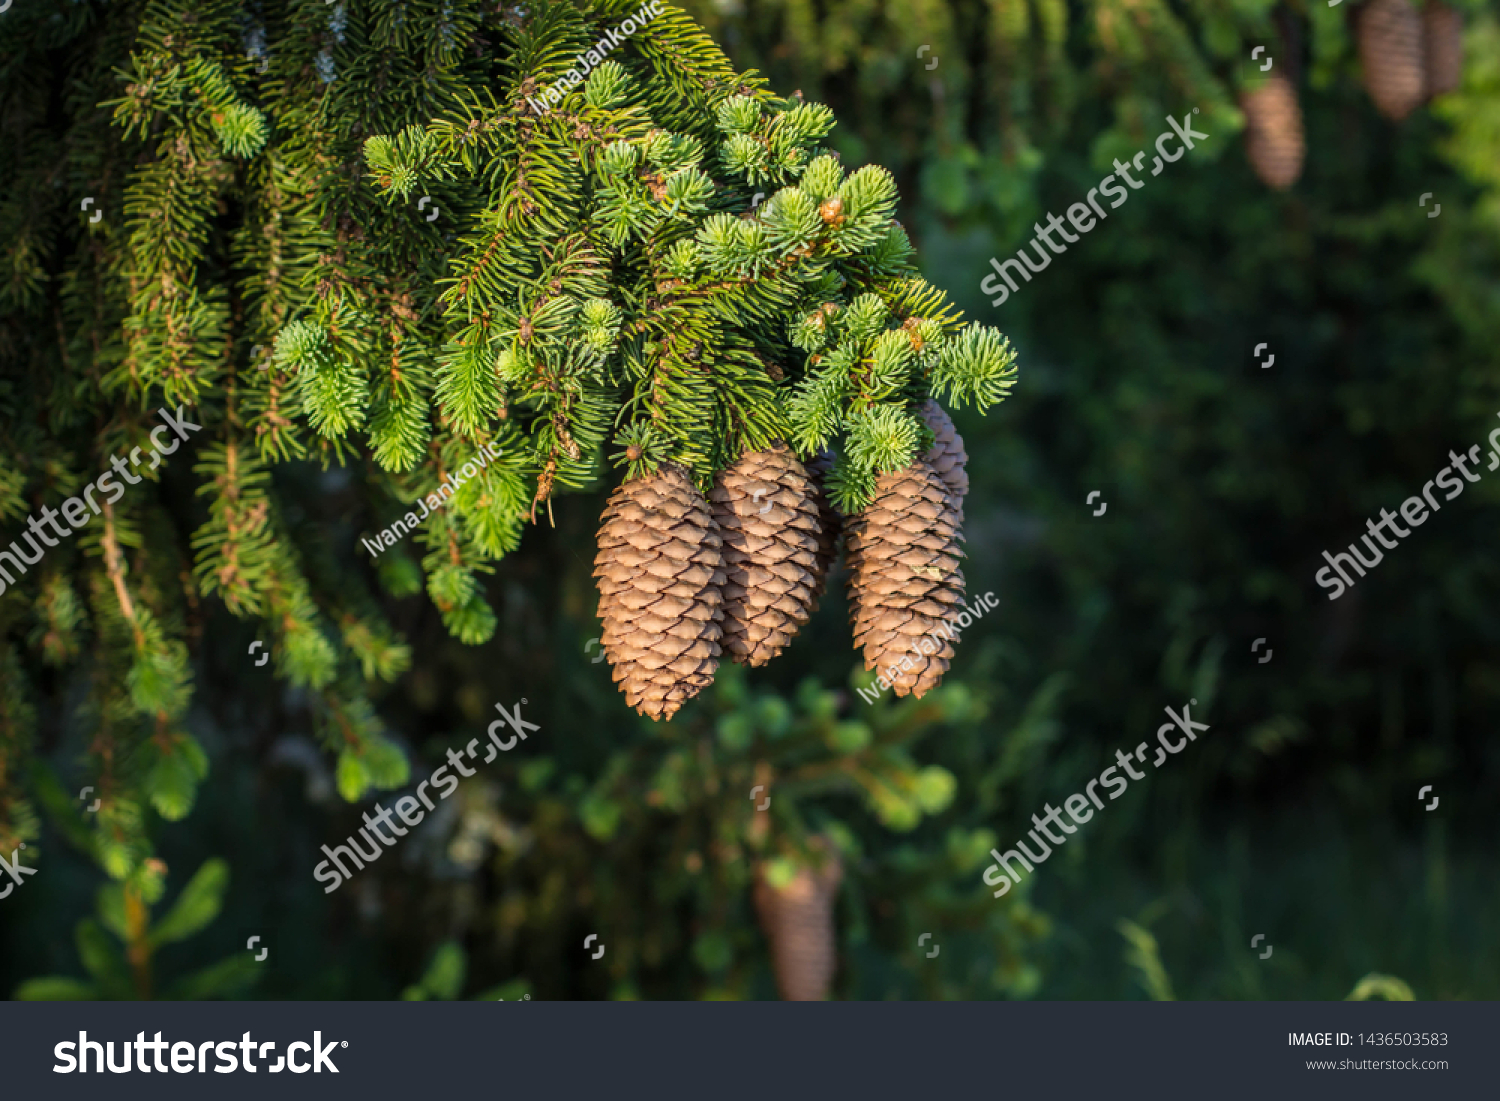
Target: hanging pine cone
x,y
767,516
660,572
1390,51
904,583
798,921
1444,27
947,455
1273,132
830,522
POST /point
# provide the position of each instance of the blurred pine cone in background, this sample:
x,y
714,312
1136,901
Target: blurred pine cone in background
x,y
798,921
1274,141
1444,27
1390,50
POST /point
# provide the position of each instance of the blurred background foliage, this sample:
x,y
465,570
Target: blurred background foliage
x,y
1296,817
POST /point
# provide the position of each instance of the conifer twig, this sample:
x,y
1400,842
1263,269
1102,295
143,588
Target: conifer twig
x,y
114,566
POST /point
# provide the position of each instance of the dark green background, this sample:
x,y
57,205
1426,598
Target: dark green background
x,y
1296,816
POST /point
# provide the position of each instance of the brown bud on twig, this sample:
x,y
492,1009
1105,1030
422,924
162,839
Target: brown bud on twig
x,y
543,486
913,334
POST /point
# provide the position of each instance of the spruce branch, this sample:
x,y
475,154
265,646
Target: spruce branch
x,y
233,547
978,366
332,390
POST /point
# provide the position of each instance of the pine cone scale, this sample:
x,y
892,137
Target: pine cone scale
x,y
947,456
765,507
830,522
899,573
658,569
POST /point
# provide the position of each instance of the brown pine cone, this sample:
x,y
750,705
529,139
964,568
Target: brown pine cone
x,y
798,921
1390,50
1445,47
1273,132
830,521
660,572
905,586
768,520
947,455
